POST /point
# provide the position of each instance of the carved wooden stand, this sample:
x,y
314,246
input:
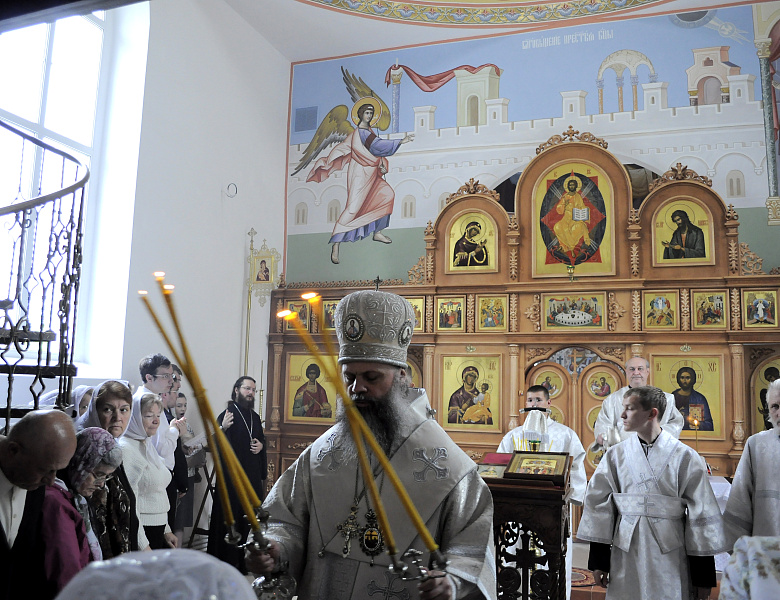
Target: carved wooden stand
x,y
527,517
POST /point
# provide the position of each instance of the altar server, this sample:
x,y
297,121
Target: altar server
x,y
651,501
753,507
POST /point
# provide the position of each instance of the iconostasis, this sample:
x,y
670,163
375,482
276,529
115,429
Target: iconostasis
x,y
561,293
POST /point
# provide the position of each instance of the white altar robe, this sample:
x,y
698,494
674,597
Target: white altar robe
x,y
753,507
315,494
655,511
612,407
560,439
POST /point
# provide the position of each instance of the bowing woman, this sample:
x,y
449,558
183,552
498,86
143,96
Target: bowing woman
x,y
66,524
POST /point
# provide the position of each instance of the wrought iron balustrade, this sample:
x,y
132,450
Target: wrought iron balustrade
x,y
40,266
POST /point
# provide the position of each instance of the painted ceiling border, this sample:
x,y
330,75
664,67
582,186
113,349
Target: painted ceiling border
x,y
488,13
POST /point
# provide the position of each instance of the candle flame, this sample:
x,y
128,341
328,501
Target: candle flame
x,y
310,296
159,274
142,292
284,314
168,287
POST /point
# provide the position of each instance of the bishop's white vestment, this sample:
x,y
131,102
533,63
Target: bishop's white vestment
x,y
315,495
753,507
655,511
612,407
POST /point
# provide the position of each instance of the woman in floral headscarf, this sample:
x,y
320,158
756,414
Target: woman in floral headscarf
x,y
65,524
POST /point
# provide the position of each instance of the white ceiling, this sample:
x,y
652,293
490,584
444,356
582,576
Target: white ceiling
x,y
301,31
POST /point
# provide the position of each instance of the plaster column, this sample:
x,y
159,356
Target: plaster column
x,y
600,88
514,385
395,79
634,84
769,132
738,396
619,84
428,376
279,385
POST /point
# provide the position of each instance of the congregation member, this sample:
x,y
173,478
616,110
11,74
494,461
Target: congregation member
x,y
159,575
559,438
157,377
609,426
70,540
244,430
177,488
114,508
38,446
323,488
147,474
196,457
650,512
753,506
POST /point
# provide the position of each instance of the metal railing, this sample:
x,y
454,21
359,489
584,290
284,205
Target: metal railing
x,y
40,268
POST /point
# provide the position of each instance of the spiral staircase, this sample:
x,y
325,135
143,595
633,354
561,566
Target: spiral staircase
x,y
40,267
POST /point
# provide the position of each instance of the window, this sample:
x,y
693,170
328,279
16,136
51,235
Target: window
x,y
334,210
301,214
409,207
62,82
735,184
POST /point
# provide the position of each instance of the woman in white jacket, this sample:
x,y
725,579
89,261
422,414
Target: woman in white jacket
x,y
146,472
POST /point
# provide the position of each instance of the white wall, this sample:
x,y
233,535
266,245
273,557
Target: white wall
x,y
215,113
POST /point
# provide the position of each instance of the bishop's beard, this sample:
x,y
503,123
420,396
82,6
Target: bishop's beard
x,y
385,417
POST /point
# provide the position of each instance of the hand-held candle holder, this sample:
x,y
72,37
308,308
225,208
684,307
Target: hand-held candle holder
x,y
278,587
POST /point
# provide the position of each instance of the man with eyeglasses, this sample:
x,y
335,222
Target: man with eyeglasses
x,y
158,378
244,430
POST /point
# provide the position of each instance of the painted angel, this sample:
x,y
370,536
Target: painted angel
x,y
360,149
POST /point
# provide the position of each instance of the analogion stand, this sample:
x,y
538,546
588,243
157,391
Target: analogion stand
x,y
528,518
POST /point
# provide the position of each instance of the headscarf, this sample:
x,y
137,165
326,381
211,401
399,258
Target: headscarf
x,y
49,399
93,447
135,430
90,417
159,575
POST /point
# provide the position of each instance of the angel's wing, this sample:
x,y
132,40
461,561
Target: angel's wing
x,y
358,89
335,128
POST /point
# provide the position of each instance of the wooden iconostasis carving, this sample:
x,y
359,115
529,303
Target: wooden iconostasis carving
x,y
562,292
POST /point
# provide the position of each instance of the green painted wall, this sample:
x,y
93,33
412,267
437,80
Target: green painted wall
x,y
763,239
308,257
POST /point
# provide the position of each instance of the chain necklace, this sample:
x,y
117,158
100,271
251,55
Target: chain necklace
x,y
249,426
369,536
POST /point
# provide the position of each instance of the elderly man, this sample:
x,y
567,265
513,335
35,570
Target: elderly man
x,y
322,521
559,439
609,427
752,508
39,445
650,513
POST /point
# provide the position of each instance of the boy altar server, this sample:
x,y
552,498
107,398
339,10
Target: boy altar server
x,y
650,499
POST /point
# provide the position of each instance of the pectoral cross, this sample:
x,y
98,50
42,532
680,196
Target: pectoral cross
x,y
349,529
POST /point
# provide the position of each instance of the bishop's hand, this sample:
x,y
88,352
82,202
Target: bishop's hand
x,y
262,562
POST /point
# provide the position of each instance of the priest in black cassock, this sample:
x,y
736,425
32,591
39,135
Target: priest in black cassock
x,y
244,431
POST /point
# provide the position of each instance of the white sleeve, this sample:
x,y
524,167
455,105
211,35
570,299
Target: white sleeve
x,y
164,441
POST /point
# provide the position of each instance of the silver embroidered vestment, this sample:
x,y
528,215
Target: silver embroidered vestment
x,y
316,493
654,510
752,508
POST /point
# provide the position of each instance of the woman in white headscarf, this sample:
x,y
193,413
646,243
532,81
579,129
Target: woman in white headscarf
x,y
114,509
159,575
146,471
80,398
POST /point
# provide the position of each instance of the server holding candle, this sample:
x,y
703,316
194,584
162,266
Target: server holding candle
x,y
322,521
540,433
